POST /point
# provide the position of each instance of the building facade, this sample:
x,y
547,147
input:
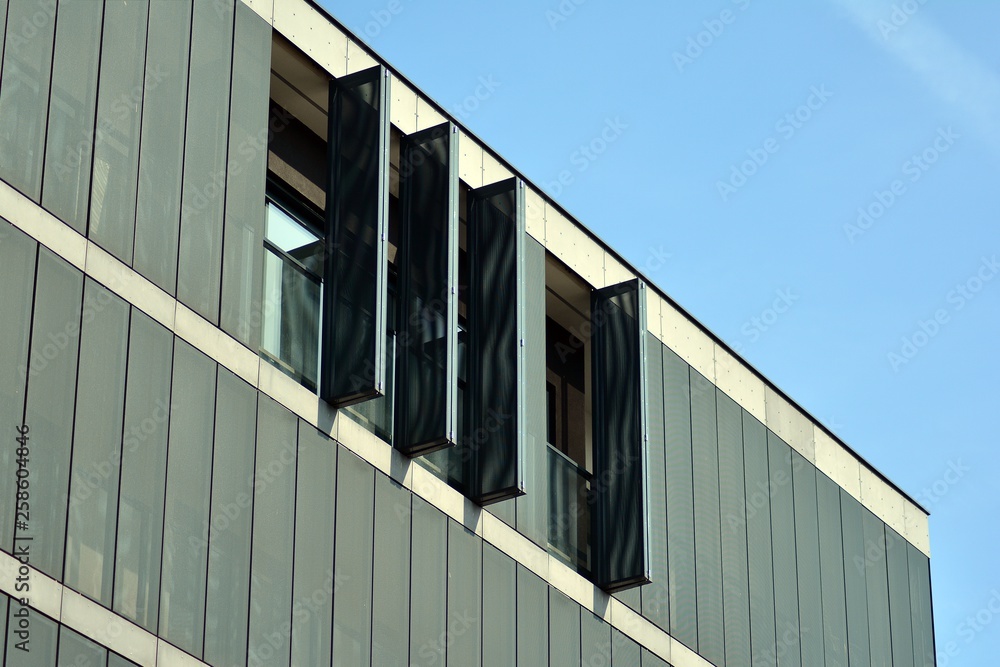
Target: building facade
x,y
294,370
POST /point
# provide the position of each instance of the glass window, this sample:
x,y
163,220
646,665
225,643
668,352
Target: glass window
x,y
227,602
72,107
55,341
564,631
293,284
391,588
161,157
312,595
595,640
187,501
97,441
650,660
42,644
17,278
119,115
78,651
626,653
532,619
352,611
428,585
465,587
273,535
499,610
24,94
3,605
115,660
143,479
241,260
199,259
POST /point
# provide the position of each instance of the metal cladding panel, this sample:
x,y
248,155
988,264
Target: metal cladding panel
x,y
732,503
357,212
855,575
656,596
427,344
533,506
620,492
495,428
918,567
900,605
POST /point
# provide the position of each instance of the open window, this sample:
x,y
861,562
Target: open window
x,y
596,430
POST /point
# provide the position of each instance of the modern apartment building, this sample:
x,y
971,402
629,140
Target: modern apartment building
x,y
294,370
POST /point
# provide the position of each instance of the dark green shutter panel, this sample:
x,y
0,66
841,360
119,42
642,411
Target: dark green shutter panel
x,y
619,492
357,205
495,433
427,343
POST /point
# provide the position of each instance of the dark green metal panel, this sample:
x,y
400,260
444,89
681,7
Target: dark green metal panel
x,y
787,646
732,503
855,570
496,424
680,499
831,552
807,553
357,219
900,605
621,441
758,509
655,596
427,344
707,519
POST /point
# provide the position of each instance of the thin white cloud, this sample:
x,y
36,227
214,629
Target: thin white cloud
x,y
955,75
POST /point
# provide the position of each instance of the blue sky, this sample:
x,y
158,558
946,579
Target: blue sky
x,y
840,157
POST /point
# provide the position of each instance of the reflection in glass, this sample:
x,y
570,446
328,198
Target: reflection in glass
x,y
293,270
569,523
